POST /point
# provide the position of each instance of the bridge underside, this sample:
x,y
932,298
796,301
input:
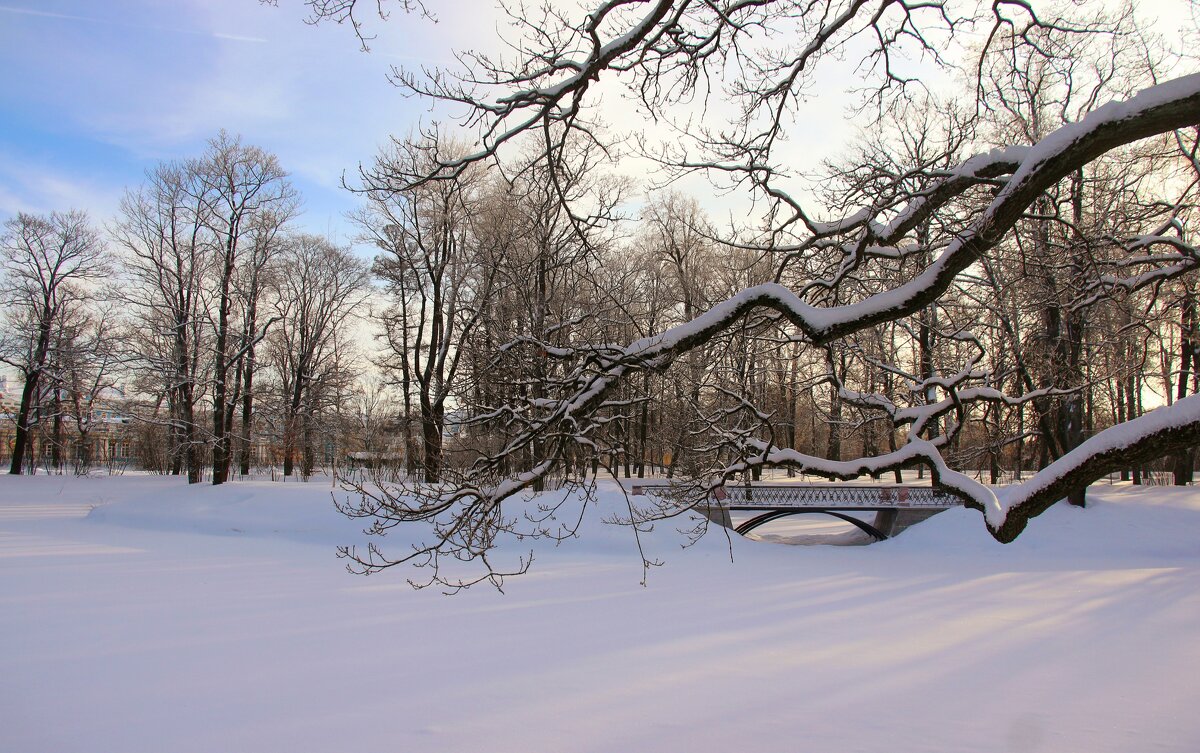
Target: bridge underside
x,y
888,521
749,525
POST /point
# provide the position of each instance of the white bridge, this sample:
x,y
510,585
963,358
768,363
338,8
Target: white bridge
x,y
896,507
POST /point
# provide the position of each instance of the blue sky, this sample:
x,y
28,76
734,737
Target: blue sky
x,y
97,91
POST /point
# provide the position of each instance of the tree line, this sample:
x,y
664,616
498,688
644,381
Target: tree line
x,y
200,289
996,279
195,292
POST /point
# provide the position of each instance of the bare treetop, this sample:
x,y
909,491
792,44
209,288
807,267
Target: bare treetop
x,y
758,59
905,234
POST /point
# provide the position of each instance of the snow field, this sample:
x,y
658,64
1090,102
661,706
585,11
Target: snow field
x,y
201,619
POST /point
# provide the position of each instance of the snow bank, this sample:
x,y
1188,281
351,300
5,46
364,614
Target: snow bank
x,y
1121,523
295,511
198,619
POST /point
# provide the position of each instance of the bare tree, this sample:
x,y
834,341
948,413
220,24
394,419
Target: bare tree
x,y
43,257
433,269
162,234
251,281
374,412
908,247
319,290
89,371
247,199
197,239
679,235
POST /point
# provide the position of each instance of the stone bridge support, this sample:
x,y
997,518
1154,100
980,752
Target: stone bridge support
x,y
892,522
718,514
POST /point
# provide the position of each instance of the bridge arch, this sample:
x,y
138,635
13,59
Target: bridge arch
x,y
749,525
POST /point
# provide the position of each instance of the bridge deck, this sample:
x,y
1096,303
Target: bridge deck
x,y
819,496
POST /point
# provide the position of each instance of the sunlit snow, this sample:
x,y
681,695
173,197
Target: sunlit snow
x,y
218,619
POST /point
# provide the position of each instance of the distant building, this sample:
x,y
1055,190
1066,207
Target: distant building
x,y
108,434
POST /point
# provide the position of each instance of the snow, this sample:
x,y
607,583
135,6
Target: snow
x,y
1037,165
1068,136
198,619
1183,414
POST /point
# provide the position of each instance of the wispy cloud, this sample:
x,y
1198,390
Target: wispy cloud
x,y
238,38
164,76
127,25
33,186
42,13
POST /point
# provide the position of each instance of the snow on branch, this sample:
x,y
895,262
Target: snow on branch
x,y
1163,108
556,424
1006,510
1156,434
665,50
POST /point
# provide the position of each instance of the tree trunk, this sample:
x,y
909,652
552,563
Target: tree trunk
x,y
220,451
1131,413
57,441
191,442
247,417
643,428
1183,460
22,442
175,442
432,423
307,452
833,448
85,452
21,435
289,457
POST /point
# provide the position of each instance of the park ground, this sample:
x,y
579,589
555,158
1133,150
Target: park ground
x,y
137,614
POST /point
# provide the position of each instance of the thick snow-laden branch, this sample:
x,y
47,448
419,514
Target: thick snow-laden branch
x,y
1161,266
1156,434
467,516
948,184
1156,110
1159,109
1007,510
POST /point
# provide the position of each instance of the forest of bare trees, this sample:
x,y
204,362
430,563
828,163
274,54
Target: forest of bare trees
x,y
995,285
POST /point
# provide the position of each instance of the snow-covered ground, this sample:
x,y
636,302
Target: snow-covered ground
x,y
180,619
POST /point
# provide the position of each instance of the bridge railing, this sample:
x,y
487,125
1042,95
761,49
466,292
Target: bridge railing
x,y
841,496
